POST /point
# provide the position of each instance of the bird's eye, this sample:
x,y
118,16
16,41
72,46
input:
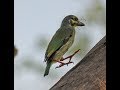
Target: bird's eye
x,y
75,19
72,18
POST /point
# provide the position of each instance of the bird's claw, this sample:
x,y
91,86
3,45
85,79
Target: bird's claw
x,y
69,63
59,66
71,56
62,64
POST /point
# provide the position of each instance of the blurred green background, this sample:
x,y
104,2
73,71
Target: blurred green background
x,y
36,21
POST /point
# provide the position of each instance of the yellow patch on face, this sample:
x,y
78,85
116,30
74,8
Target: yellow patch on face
x,y
73,23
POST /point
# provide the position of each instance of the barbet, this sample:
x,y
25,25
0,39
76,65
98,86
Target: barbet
x,y
61,42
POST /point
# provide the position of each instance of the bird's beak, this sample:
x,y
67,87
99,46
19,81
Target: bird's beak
x,y
80,24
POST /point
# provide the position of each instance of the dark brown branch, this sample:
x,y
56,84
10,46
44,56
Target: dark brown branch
x,y
89,74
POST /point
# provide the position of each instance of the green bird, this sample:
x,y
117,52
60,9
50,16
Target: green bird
x,y
61,42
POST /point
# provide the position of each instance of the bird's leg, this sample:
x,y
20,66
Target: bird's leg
x,y
62,59
70,56
61,63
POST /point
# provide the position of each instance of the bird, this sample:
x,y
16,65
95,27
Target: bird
x,y
61,41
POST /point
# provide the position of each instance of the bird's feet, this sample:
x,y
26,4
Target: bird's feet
x,y
70,57
62,64
69,62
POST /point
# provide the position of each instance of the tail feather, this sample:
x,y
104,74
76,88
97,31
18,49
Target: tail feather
x,y
47,68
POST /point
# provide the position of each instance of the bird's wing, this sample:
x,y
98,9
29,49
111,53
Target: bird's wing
x,y
59,39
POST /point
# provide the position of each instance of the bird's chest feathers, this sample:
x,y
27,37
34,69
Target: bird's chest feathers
x,y
70,41
72,36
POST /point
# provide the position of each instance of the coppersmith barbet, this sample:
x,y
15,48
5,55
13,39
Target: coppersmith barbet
x,y
61,42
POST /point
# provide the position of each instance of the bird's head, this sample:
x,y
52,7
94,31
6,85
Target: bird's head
x,y
72,21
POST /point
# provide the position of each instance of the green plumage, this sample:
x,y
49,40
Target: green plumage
x,y
58,43
49,63
61,42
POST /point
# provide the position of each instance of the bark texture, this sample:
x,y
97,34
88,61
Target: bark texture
x,y
89,73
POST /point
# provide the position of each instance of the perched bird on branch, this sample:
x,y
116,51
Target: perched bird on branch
x,y
61,42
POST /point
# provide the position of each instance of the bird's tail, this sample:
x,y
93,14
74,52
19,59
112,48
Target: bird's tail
x,y
47,68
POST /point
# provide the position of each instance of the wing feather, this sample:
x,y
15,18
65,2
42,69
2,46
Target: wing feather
x,y
58,40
